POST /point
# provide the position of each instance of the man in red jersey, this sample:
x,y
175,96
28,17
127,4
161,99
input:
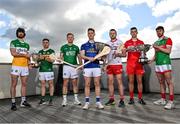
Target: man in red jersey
x,y
133,66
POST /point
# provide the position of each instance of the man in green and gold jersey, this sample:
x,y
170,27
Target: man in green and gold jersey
x,y
163,68
20,51
70,53
46,71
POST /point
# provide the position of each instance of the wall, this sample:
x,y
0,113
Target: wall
x,y
149,80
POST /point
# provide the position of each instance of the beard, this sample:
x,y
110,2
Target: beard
x,y
21,36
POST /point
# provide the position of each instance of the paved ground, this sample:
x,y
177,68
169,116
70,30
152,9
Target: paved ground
x,y
74,114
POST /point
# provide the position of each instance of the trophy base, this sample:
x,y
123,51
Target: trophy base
x,y
34,65
143,60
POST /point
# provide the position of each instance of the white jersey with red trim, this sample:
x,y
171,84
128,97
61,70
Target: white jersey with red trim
x,y
111,59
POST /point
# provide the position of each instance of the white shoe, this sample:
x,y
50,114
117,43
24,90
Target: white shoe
x,y
77,102
170,105
99,105
160,102
86,106
64,103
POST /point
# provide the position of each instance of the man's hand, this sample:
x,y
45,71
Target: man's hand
x,y
91,59
156,47
104,68
48,59
41,57
27,55
30,66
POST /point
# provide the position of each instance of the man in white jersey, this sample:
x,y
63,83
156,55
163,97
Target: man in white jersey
x,y
114,69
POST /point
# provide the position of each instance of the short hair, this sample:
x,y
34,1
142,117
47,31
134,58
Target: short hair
x,y
160,28
69,34
133,28
45,39
91,29
112,30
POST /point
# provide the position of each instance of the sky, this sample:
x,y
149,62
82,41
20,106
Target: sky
x,y
53,19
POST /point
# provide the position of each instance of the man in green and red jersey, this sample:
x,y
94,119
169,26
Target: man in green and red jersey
x,y
70,53
163,67
20,51
46,71
134,67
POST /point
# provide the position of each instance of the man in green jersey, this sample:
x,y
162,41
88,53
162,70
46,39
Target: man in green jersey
x,y
70,53
20,51
46,71
163,68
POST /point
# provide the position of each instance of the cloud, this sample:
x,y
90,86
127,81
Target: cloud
x,y
53,19
2,24
129,3
172,27
165,7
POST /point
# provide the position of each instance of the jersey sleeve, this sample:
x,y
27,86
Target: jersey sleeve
x,y
39,51
142,42
169,42
126,45
62,49
28,48
78,51
12,45
82,47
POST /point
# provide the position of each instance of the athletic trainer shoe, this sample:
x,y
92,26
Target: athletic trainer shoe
x,y
25,104
170,105
13,107
77,102
86,106
110,102
160,102
142,102
64,103
131,101
42,102
121,103
99,105
50,102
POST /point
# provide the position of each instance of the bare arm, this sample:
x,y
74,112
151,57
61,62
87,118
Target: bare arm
x,y
15,54
79,59
82,53
165,50
61,56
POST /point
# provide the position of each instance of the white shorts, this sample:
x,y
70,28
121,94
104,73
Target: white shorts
x,y
20,71
69,72
92,72
163,68
46,76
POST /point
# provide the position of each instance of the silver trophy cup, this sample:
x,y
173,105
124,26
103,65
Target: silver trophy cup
x,y
34,60
143,49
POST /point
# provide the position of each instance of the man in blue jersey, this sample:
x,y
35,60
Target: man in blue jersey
x,y
88,52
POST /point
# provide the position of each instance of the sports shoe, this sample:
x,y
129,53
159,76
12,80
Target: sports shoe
x,y
99,105
170,105
77,102
110,102
160,102
64,103
121,103
42,102
25,104
131,101
50,102
13,107
86,106
142,102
